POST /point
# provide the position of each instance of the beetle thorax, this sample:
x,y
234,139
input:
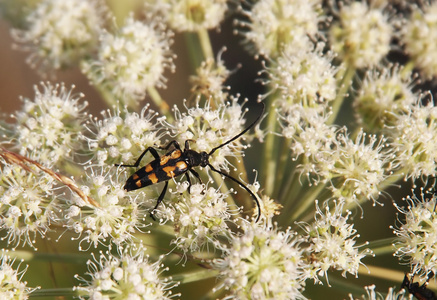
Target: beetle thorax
x,y
197,159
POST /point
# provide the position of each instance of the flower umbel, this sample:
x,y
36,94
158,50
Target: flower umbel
x,y
48,127
371,294
418,35
117,216
131,60
263,263
78,25
416,241
332,243
127,276
27,204
362,35
275,24
11,286
121,136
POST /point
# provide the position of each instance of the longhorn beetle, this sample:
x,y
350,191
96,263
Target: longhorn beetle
x,y
177,162
421,292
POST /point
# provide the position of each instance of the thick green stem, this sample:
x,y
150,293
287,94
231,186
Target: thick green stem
x,y
195,276
307,200
205,44
342,94
52,257
58,293
162,104
269,161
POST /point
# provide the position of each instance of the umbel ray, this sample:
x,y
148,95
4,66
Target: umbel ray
x,y
177,162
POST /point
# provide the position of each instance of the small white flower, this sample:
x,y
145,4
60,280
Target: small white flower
x,y
209,79
200,218
305,76
362,35
131,60
310,136
210,128
356,168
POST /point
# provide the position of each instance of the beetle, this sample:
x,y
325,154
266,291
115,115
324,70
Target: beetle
x,y
421,292
178,162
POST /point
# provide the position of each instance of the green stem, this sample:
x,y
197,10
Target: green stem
x,y
52,257
195,276
284,158
54,293
269,162
161,103
308,200
194,49
341,95
107,97
205,44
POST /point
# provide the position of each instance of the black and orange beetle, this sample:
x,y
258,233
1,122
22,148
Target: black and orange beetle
x,y
178,162
421,292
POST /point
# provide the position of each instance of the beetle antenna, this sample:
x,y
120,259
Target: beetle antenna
x,y
241,133
243,186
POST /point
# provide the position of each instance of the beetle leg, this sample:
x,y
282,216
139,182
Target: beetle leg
x,y
137,163
189,182
174,143
159,200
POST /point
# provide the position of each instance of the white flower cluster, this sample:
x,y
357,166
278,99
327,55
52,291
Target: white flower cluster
x,y
75,35
418,35
200,218
114,218
121,136
263,263
275,24
131,60
48,126
416,240
362,35
129,276
210,127
332,243
11,286
27,204
383,95
371,294
190,15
